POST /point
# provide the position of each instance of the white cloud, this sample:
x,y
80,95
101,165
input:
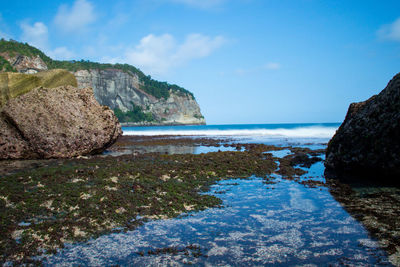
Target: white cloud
x,y
61,53
76,17
200,3
272,66
390,31
158,54
36,34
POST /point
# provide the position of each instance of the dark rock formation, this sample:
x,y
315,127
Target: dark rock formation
x,y
368,141
56,123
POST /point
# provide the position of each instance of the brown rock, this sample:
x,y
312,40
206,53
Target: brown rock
x,y
56,123
367,143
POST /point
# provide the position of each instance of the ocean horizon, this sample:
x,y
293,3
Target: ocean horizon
x,y
273,130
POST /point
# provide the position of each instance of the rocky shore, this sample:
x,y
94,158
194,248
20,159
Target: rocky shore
x,y
44,207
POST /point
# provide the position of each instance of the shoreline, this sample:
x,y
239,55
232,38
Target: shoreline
x,y
160,186
149,124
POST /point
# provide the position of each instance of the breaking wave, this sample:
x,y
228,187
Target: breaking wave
x,y
299,132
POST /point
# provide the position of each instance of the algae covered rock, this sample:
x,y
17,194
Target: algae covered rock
x,y
56,123
15,84
368,141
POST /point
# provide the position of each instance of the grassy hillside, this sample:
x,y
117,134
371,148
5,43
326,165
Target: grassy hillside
x,y
153,87
15,84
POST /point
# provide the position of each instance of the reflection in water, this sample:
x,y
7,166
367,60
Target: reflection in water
x,y
282,223
377,206
169,149
12,166
280,153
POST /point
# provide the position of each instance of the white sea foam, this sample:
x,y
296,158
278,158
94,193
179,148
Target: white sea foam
x,y
300,132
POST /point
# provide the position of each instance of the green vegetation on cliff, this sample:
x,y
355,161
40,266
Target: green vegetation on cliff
x,y
5,65
134,115
15,84
149,85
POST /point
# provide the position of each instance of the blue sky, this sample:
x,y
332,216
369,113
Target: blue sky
x,y
246,61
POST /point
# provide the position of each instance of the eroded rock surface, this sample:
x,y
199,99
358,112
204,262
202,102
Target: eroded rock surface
x,y
56,123
368,142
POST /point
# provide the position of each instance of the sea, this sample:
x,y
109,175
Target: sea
x,y
258,224
304,134
276,131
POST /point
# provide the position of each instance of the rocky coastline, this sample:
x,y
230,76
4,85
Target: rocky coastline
x,y
76,193
66,197
121,87
151,186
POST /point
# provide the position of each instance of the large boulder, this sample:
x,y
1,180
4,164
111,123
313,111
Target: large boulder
x,y
59,122
368,141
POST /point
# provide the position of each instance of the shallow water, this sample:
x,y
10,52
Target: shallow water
x,y
279,153
168,149
281,223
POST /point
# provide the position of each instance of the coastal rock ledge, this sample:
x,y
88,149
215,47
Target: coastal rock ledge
x,y
60,122
368,141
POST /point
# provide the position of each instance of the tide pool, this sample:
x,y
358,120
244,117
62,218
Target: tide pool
x,y
262,221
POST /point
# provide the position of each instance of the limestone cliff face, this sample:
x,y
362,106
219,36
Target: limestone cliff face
x,y
117,89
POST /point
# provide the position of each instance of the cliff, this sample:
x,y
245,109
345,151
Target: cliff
x,y
120,90
137,99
